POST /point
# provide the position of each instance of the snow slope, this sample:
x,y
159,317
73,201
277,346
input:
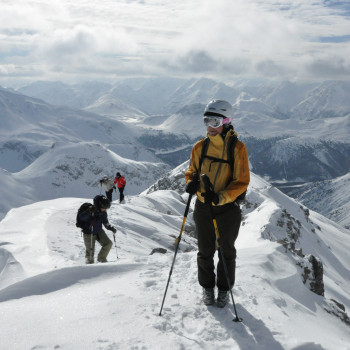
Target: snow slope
x,y
60,94
29,127
50,152
50,299
74,169
329,198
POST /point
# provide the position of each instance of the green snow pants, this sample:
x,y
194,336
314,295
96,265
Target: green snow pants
x,y
228,218
104,241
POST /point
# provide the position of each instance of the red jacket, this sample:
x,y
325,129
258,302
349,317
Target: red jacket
x,y
121,182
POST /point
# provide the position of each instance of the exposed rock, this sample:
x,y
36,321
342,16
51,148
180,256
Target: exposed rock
x,y
312,273
338,309
158,250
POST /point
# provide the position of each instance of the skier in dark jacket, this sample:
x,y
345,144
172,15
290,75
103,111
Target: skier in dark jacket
x,y
94,217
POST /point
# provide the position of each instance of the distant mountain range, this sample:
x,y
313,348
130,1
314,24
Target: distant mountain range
x,y
165,96
294,132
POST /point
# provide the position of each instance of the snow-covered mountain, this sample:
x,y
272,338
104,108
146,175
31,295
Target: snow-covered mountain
x,y
268,110
200,90
328,100
153,95
297,159
30,118
329,198
110,105
49,152
284,96
294,132
74,169
282,249
185,121
60,94
165,96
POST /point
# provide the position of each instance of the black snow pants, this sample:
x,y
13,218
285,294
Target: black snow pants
x,y
109,194
228,218
121,193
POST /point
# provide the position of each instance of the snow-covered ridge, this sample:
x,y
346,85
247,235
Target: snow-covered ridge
x,y
289,223
74,169
272,292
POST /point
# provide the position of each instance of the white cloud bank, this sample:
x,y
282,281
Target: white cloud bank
x,y
104,40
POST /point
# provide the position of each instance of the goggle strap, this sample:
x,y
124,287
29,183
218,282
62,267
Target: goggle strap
x,y
226,120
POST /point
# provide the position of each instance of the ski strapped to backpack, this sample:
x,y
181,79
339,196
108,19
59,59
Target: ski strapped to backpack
x,y
230,158
82,208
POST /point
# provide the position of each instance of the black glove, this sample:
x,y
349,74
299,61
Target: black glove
x,y
93,209
193,184
210,197
111,228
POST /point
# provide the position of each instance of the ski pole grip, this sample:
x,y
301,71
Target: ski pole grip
x,y
207,184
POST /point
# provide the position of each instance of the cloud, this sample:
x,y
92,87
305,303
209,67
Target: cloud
x,y
198,37
271,69
198,61
332,68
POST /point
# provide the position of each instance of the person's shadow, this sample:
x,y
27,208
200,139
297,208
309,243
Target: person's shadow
x,y
249,334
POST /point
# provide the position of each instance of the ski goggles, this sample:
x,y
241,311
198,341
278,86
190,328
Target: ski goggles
x,y
215,122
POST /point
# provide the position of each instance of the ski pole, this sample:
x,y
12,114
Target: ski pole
x,y
178,239
91,249
115,244
209,187
92,227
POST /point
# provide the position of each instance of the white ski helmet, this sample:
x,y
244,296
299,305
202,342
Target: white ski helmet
x,y
219,108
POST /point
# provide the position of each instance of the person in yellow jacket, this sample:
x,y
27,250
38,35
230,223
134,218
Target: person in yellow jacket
x,y
229,183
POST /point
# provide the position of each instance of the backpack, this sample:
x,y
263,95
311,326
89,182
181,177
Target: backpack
x,y
82,208
230,158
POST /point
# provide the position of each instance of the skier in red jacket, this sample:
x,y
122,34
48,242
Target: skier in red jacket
x,y
120,182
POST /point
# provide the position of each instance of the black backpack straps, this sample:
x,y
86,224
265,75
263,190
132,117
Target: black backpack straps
x,y
204,152
230,157
231,151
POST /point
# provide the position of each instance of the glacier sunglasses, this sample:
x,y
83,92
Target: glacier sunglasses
x,y
215,122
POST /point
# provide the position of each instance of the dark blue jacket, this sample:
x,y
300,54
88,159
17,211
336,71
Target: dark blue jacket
x,y
93,223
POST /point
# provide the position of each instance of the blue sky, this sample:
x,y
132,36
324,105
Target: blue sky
x,y
223,39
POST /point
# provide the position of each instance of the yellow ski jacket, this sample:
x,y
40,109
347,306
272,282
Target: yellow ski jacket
x,y
227,185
